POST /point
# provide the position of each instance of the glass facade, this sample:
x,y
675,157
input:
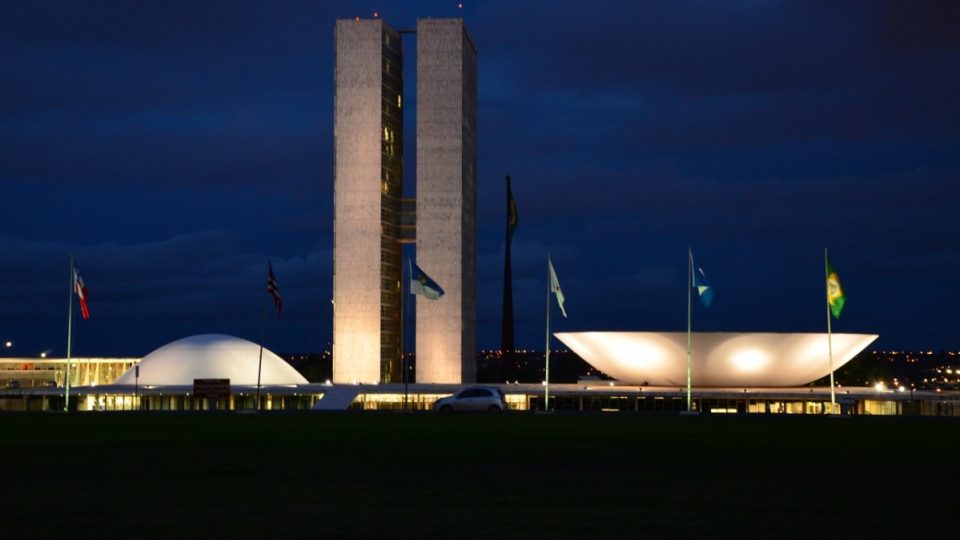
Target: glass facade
x,y
418,402
391,193
90,399
49,372
180,402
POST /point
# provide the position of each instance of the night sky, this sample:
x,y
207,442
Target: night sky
x,y
174,147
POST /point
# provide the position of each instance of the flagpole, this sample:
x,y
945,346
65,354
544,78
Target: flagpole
x,y
689,323
546,386
263,337
826,273
506,318
66,386
406,313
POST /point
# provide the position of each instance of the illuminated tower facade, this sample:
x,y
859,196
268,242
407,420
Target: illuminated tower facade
x,y
447,199
368,183
368,128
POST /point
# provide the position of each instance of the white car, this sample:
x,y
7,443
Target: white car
x,y
474,399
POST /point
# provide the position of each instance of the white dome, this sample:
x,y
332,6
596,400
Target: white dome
x,y
717,358
211,356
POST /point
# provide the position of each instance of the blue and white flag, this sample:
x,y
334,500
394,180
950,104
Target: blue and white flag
x,y
422,284
702,286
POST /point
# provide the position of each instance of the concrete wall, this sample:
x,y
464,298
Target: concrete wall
x,y
358,201
446,200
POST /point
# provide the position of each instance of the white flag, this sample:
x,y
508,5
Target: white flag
x,y
555,287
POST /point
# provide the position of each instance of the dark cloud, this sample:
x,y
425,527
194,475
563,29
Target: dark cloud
x,y
183,283
175,146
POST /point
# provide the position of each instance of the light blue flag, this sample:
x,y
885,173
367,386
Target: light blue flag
x,y
422,284
703,287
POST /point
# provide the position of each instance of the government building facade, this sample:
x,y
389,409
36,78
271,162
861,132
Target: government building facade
x,y
371,215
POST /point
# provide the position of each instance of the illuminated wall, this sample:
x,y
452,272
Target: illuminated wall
x,y
368,150
718,358
446,199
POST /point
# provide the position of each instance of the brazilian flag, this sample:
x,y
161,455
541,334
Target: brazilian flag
x,y
835,296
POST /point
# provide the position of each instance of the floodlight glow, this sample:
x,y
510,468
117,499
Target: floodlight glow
x,y
750,360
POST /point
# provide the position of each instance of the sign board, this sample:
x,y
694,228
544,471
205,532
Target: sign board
x,y
211,388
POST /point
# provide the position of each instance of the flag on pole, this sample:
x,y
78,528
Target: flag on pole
x,y
701,285
513,219
274,290
80,288
555,287
422,284
835,295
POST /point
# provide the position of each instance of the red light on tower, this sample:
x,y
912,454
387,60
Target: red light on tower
x,y
376,14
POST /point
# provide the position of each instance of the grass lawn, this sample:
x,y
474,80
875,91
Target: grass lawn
x,y
516,475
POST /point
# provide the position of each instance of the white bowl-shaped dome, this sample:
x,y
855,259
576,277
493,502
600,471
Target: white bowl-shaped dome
x,y
717,358
211,356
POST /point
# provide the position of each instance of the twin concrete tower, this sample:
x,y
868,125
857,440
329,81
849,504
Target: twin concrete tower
x,y
372,220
